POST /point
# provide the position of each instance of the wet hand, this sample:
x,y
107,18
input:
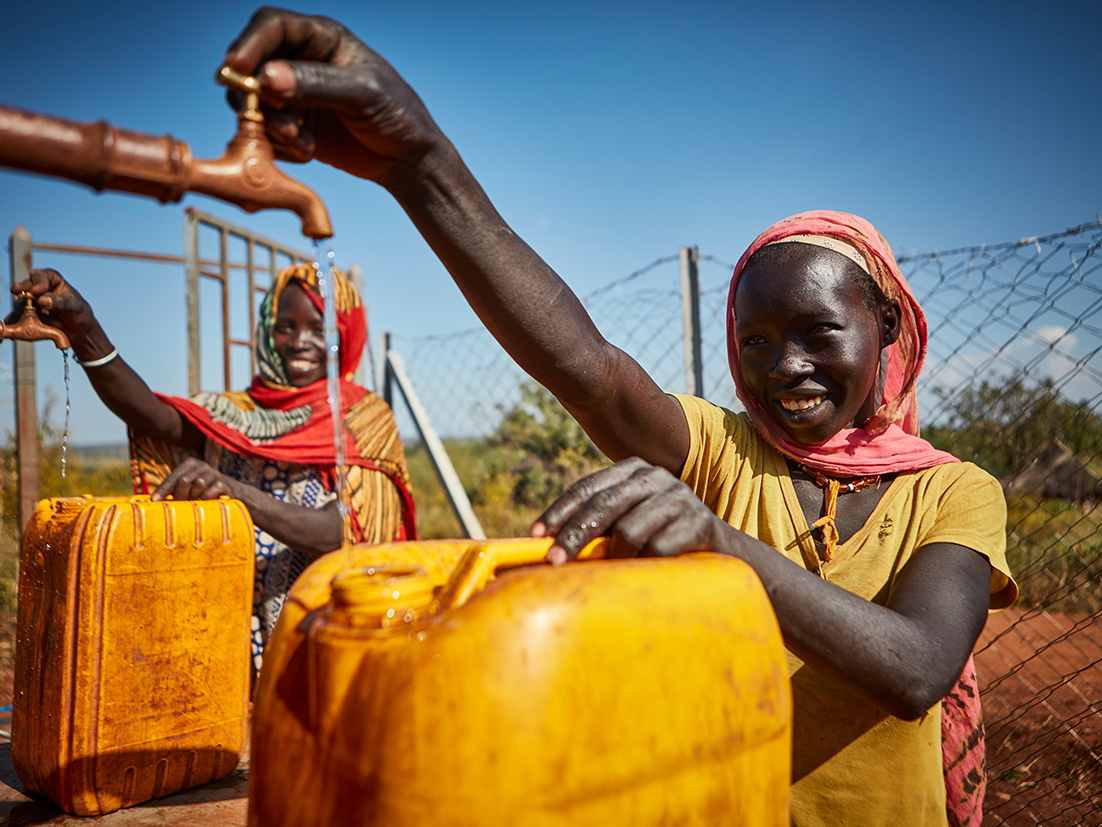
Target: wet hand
x,y
328,96
193,479
644,509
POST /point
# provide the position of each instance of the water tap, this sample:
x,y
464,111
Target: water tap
x,y
106,157
30,328
247,175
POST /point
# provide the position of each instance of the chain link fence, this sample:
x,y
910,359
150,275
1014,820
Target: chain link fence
x,y
1013,381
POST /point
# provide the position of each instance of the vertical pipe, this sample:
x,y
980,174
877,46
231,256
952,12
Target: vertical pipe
x,y
26,396
223,254
250,264
191,266
690,321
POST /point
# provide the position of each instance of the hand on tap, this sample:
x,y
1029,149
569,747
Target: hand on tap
x,y
60,306
337,100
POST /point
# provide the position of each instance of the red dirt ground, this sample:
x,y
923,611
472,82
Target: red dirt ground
x,y
1041,687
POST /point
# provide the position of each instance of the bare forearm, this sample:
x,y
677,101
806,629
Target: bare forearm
x,y
903,662
536,317
313,531
520,299
126,394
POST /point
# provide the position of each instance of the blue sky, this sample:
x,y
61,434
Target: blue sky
x,y
608,134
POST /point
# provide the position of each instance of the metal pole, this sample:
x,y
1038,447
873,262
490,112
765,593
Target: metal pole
x,y
191,261
223,254
388,374
690,321
26,396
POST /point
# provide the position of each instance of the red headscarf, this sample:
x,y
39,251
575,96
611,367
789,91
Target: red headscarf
x,y
277,421
889,442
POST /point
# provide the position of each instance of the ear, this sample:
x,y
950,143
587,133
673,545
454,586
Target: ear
x,y
890,322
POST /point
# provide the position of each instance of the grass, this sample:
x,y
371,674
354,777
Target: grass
x,y
1054,548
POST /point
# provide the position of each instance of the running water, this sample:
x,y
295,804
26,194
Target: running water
x,y
327,288
65,433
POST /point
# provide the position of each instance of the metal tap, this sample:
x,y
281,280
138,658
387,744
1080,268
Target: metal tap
x,y
30,328
106,157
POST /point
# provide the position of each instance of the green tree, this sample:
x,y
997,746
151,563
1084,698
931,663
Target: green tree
x,y
1004,426
538,451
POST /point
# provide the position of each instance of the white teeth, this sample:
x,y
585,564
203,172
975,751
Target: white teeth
x,y
800,404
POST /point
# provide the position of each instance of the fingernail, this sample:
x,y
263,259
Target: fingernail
x,y
556,555
279,79
537,530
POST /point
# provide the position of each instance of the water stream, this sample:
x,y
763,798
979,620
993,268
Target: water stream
x,y
327,288
65,432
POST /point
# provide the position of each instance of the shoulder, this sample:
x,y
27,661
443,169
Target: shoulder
x,y
962,480
960,503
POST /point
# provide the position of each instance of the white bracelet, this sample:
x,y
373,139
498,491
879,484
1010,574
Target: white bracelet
x,y
103,360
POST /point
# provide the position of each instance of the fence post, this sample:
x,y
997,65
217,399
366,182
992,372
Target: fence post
x,y
191,264
690,322
26,396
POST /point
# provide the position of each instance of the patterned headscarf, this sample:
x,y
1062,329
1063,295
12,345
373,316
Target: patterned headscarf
x,y
351,322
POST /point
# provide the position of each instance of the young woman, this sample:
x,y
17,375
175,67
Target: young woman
x,y
880,591
270,446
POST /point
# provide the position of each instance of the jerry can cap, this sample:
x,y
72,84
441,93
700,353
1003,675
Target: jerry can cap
x,y
382,595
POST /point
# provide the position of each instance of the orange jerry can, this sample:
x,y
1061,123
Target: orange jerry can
x,y
466,682
132,650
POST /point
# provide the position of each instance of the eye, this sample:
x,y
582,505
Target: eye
x,y
750,341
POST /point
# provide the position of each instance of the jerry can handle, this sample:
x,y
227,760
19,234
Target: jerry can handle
x,y
482,561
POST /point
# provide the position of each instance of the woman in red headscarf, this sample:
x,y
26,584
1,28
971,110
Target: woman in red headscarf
x,y
270,446
881,555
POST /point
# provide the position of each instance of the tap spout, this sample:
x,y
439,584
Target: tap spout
x,y
102,156
247,175
30,328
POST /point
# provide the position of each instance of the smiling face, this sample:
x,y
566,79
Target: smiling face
x,y
298,335
809,343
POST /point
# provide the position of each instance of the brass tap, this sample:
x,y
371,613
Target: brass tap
x,y
106,157
30,328
246,173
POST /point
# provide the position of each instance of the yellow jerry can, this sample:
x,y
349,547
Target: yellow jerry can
x,y
468,683
132,650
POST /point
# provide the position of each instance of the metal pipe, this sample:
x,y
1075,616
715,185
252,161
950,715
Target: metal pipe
x,y
102,157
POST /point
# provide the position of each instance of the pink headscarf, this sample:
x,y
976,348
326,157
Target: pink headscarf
x,y
889,442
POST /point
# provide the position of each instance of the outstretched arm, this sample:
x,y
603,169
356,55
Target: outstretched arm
x,y
904,656
338,101
115,382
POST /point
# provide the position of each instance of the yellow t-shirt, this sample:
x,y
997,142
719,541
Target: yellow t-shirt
x,y
852,762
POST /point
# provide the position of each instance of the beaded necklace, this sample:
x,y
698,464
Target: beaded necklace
x,y
832,488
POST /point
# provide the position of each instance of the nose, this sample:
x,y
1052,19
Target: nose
x,y
303,339
791,362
